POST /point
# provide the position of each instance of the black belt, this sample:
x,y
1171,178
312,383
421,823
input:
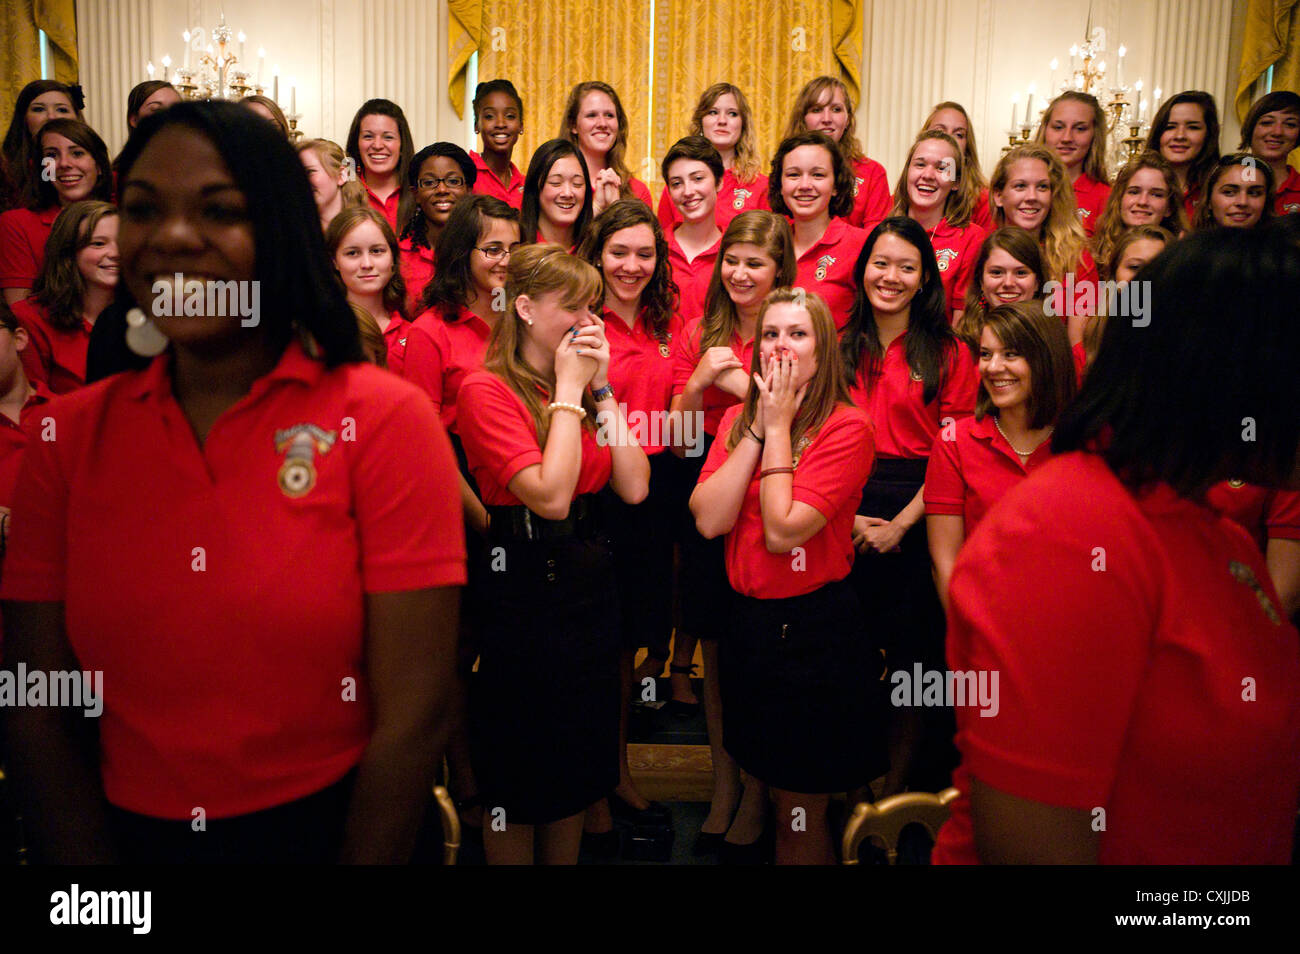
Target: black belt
x,y
584,522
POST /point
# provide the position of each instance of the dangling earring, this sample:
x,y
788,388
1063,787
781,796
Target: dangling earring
x,y
143,336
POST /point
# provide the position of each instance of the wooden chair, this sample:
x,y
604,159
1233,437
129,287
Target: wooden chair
x,y
886,820
450,824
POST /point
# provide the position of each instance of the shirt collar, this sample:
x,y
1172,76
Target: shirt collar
x,y
294,365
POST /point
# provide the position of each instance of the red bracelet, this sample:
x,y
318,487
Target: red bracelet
x,y
775,470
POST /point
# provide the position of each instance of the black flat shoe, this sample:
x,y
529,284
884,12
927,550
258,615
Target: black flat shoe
x,y
708,843
758,852
675,707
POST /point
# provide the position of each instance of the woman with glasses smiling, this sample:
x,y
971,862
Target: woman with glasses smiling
x,y
439,175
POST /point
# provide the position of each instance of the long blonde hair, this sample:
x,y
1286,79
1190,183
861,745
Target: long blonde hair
x,y
771,233
828,386
973,181
850,147
959,205
1061,235
615,158
1094,164
746,164
536,270
332,158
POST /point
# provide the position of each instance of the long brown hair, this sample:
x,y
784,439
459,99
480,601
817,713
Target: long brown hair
x,y
537,270
60,286
272,107
394,293
828,386
771,233
1199,167
40,194
1021,246
1094,163
1097,323
1111,224
660,293
1063,237
1024,327
616,157
959,205
849,146
746,165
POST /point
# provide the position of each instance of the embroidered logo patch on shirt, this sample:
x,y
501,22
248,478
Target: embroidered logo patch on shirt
x,y
738,202
946,257
300,444
1291,208
823,263
857,181
1083,213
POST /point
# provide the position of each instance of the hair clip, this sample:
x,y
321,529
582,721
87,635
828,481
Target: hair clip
x,y
78,96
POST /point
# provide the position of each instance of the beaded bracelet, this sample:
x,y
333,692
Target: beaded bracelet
x,y
775,470
577,409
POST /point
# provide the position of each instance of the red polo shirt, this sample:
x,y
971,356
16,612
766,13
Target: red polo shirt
x,y
1190,201
1080,355
692,277
1086,290
23,234
486,183
982,216
1266,514
871,199
439,353
1089,199
906,427
13,438
969,474
500,440
417,266
1287,199
641,372
686,357
830,475
733,198
956,251
385,207
53,355
641,191
220,588
395,338
827,268
1153,685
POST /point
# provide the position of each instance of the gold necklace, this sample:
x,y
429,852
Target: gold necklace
x,y
1023,455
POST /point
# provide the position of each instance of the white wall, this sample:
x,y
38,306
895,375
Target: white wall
x,y
916,53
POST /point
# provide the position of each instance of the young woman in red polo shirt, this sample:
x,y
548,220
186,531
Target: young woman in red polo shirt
x,y
710,359
1162,676
1185,131
1026,380
723,117
545,700
1145,193
558,200
914,378
627,247
812,185
147,98
77,282
952,118
440,175
293,742
1031,189
692,171
19,399
1129,256
333,191
365,256
1271,131
595,123
1070,128
380,144
800,666
79,161
1009,269
1238,194
498,120
930,191
824,105
1272,518
38,102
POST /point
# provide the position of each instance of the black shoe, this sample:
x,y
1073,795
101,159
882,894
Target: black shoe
x,y
675,707
708,843
758,852
602,847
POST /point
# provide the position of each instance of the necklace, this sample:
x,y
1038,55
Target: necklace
x,y
1023,455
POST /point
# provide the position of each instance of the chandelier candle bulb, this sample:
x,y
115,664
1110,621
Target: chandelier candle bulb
x,y
275,83
149,68
186,37
1029,106
1119,69
293,95
1052,66
1015,100
242,38
261,59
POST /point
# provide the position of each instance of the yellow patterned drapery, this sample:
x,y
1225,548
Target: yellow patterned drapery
x,y
20,22
546,47
1271,38
464,36
58,18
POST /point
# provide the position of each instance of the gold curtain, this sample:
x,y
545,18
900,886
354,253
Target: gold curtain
x,y
1271,38
464,36
846,31
58,18
20,21
546,47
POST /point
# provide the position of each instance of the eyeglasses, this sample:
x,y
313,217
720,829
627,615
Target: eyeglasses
x,y
496,251
432,182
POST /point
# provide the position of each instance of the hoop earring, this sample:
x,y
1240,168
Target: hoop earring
x,y
143,336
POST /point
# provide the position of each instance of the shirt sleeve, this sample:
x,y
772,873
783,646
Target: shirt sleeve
x,y
1282,516
835,467
411,530
945,486
495,428
38,357
666,213
35,566
960,384
1069,668
966,266
879,201
685,357
424,360
17,257
641,191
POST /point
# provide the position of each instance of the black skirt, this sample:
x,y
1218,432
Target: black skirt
x,y
897,589
802,701
704,588
544,703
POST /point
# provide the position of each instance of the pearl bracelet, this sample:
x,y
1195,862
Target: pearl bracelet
x,y
577,409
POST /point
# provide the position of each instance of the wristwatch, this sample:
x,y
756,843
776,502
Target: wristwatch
x,y
606,392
